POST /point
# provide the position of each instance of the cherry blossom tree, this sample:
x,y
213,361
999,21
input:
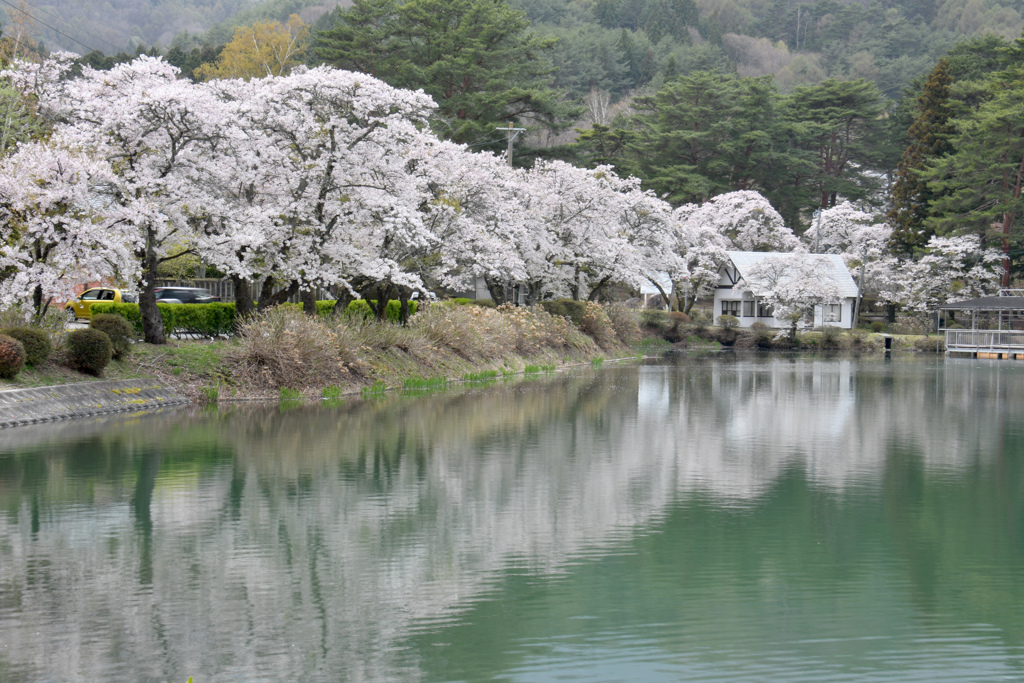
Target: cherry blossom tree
x,y
747,220
158,133
951,269
859,238
326,178
793,284
52,233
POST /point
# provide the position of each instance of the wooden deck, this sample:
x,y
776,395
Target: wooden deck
x,y
1005,344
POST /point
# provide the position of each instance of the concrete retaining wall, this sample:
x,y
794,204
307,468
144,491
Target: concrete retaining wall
x,y
84,399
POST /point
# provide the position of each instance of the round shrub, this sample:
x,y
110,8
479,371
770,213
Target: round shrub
x,y
877,327
120,331
89,350
12,357
728,322
36,342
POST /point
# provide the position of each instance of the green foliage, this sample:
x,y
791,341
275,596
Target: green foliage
x,y
763,335
36,343
424,383
596,362
482,376
476,58
538,369
204,320
877,327
728,322
929,140
210,394
376,389
120,331
12,357
89,350
363,308
286,394
567,308
332,392
831,337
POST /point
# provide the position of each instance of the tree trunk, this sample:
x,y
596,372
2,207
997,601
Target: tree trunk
x,y
269,298
497,290
308,298
341,304
152,321
244,306
890,313
380,307
403,297
39,305
596,291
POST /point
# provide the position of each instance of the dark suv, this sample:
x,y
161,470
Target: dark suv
x,y
185,295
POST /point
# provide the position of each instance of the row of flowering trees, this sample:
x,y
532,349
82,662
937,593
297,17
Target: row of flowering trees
x,y
327,178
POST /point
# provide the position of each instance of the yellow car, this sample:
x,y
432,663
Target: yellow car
x,y
80,307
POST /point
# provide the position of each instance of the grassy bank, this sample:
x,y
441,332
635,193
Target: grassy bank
x,y
286,355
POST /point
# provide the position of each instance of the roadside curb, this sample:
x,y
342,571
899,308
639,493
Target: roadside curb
x,y
84,399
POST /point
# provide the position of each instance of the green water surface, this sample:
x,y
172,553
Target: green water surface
x,y
715,519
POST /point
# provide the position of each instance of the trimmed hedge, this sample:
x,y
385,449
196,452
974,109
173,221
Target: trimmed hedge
x,y
204,320
36,342
12,357
218,319
120,331
393,312
89,350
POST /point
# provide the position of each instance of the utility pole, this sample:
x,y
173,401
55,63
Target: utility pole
x,y
512,133
817,230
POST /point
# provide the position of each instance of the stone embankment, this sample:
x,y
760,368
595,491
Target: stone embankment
x,y
84,399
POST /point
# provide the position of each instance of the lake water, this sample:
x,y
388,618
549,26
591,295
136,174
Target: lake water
x,y
717,519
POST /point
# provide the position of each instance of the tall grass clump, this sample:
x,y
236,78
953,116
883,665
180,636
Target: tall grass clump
x,y
598,325
624,322
533,330
284,348
472,332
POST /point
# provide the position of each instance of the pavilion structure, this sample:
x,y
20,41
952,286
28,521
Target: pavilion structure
x,y
996,326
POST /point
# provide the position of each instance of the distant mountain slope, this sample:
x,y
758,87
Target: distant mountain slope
x,y
112,26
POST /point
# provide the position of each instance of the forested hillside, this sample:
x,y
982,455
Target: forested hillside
x,y
617,46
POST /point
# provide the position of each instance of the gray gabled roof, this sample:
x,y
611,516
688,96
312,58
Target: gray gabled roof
x,y
987,303
745,260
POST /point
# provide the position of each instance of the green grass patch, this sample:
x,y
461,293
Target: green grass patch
x,y
376,389
210,394
652,344
292,395
482,376
331,392
425,383
597,362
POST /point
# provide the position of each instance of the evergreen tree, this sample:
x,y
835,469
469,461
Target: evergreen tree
x,y
704,134
476,58
840,125
929,134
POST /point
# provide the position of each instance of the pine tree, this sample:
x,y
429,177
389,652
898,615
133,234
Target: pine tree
x,y
929,134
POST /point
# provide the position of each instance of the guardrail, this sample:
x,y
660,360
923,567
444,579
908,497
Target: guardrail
x,y
985,340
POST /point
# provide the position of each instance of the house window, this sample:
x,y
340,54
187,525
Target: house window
x,y
765,310
731,308
748,309
832,313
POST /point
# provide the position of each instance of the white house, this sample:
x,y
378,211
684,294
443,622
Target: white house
x,y
732,297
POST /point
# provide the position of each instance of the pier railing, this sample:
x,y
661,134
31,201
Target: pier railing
x,y
985,340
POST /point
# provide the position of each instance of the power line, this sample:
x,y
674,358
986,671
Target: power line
x,y
52,28
60,18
